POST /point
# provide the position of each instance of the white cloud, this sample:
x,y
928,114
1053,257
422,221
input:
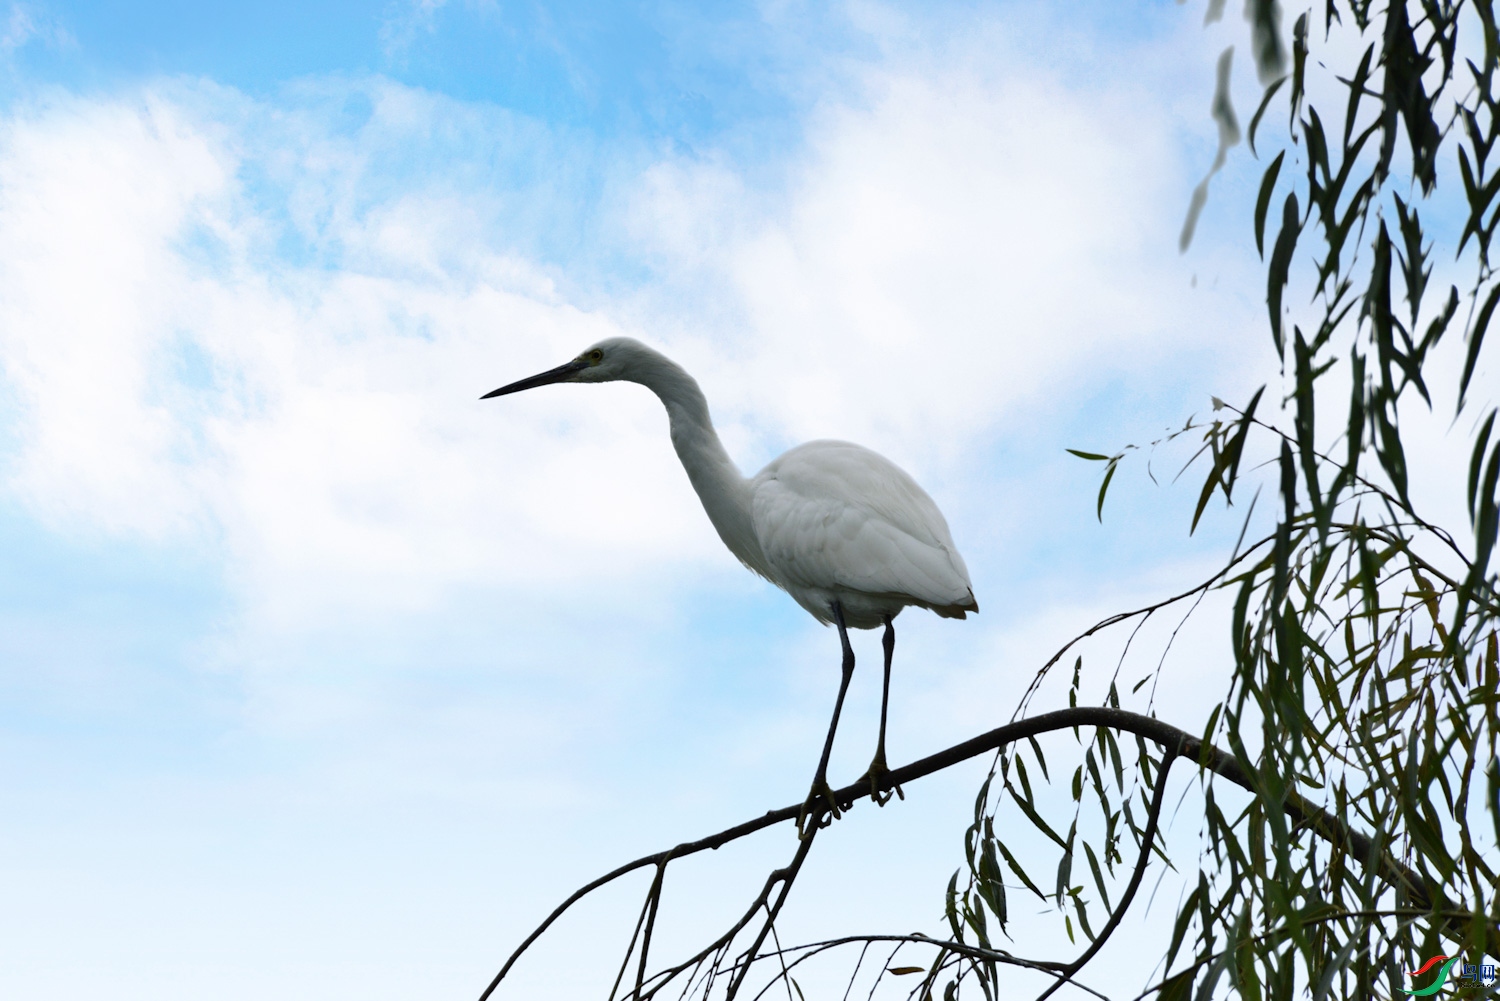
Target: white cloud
x,y
93,199
955,243
333,433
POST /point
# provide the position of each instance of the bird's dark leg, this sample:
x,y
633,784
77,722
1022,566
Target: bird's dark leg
x,y
878,769
820,785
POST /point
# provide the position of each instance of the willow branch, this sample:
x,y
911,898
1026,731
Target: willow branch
x,y
1377,489
1302,811
1143,613
1147,838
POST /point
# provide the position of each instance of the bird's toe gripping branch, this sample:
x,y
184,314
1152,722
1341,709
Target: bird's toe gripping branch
x,y
814,814
878,775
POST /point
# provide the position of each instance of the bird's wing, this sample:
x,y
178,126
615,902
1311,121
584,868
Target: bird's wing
x,y
830,514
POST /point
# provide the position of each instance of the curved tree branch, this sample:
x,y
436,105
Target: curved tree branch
x,y
1421,891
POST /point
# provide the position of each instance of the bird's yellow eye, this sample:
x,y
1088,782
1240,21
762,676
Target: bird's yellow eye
x,y
596,356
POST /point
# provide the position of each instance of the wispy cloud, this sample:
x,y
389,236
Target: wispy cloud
x,y
25,23
405,22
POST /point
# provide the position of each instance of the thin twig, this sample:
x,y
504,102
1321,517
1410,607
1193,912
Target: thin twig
x,y
640,923
788,877
884,969
721,945
964,950
1118,617
654,896
1375,488
1168,756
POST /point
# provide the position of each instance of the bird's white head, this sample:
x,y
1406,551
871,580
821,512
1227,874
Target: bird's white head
x,y
611,360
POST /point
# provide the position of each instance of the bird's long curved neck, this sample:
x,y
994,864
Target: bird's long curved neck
x,y
725,493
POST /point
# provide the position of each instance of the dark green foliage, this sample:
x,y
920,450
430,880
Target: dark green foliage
x,y
1364,679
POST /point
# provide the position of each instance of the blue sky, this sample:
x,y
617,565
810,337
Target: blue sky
x,y
320,678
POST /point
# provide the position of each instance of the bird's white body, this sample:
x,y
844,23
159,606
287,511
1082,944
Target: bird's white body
x,y
827,521
838,522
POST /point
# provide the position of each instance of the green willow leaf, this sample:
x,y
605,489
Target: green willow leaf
x,y
1015,867
1265,102
1476,341
1281,260
1476,461
1109,474
1178,988
1267,186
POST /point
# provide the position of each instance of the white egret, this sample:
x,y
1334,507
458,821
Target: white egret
x,y
843,530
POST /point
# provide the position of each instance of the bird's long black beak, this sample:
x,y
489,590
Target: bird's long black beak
x,y
559,374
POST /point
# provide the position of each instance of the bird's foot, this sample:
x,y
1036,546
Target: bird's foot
x,y
813,816
877,774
